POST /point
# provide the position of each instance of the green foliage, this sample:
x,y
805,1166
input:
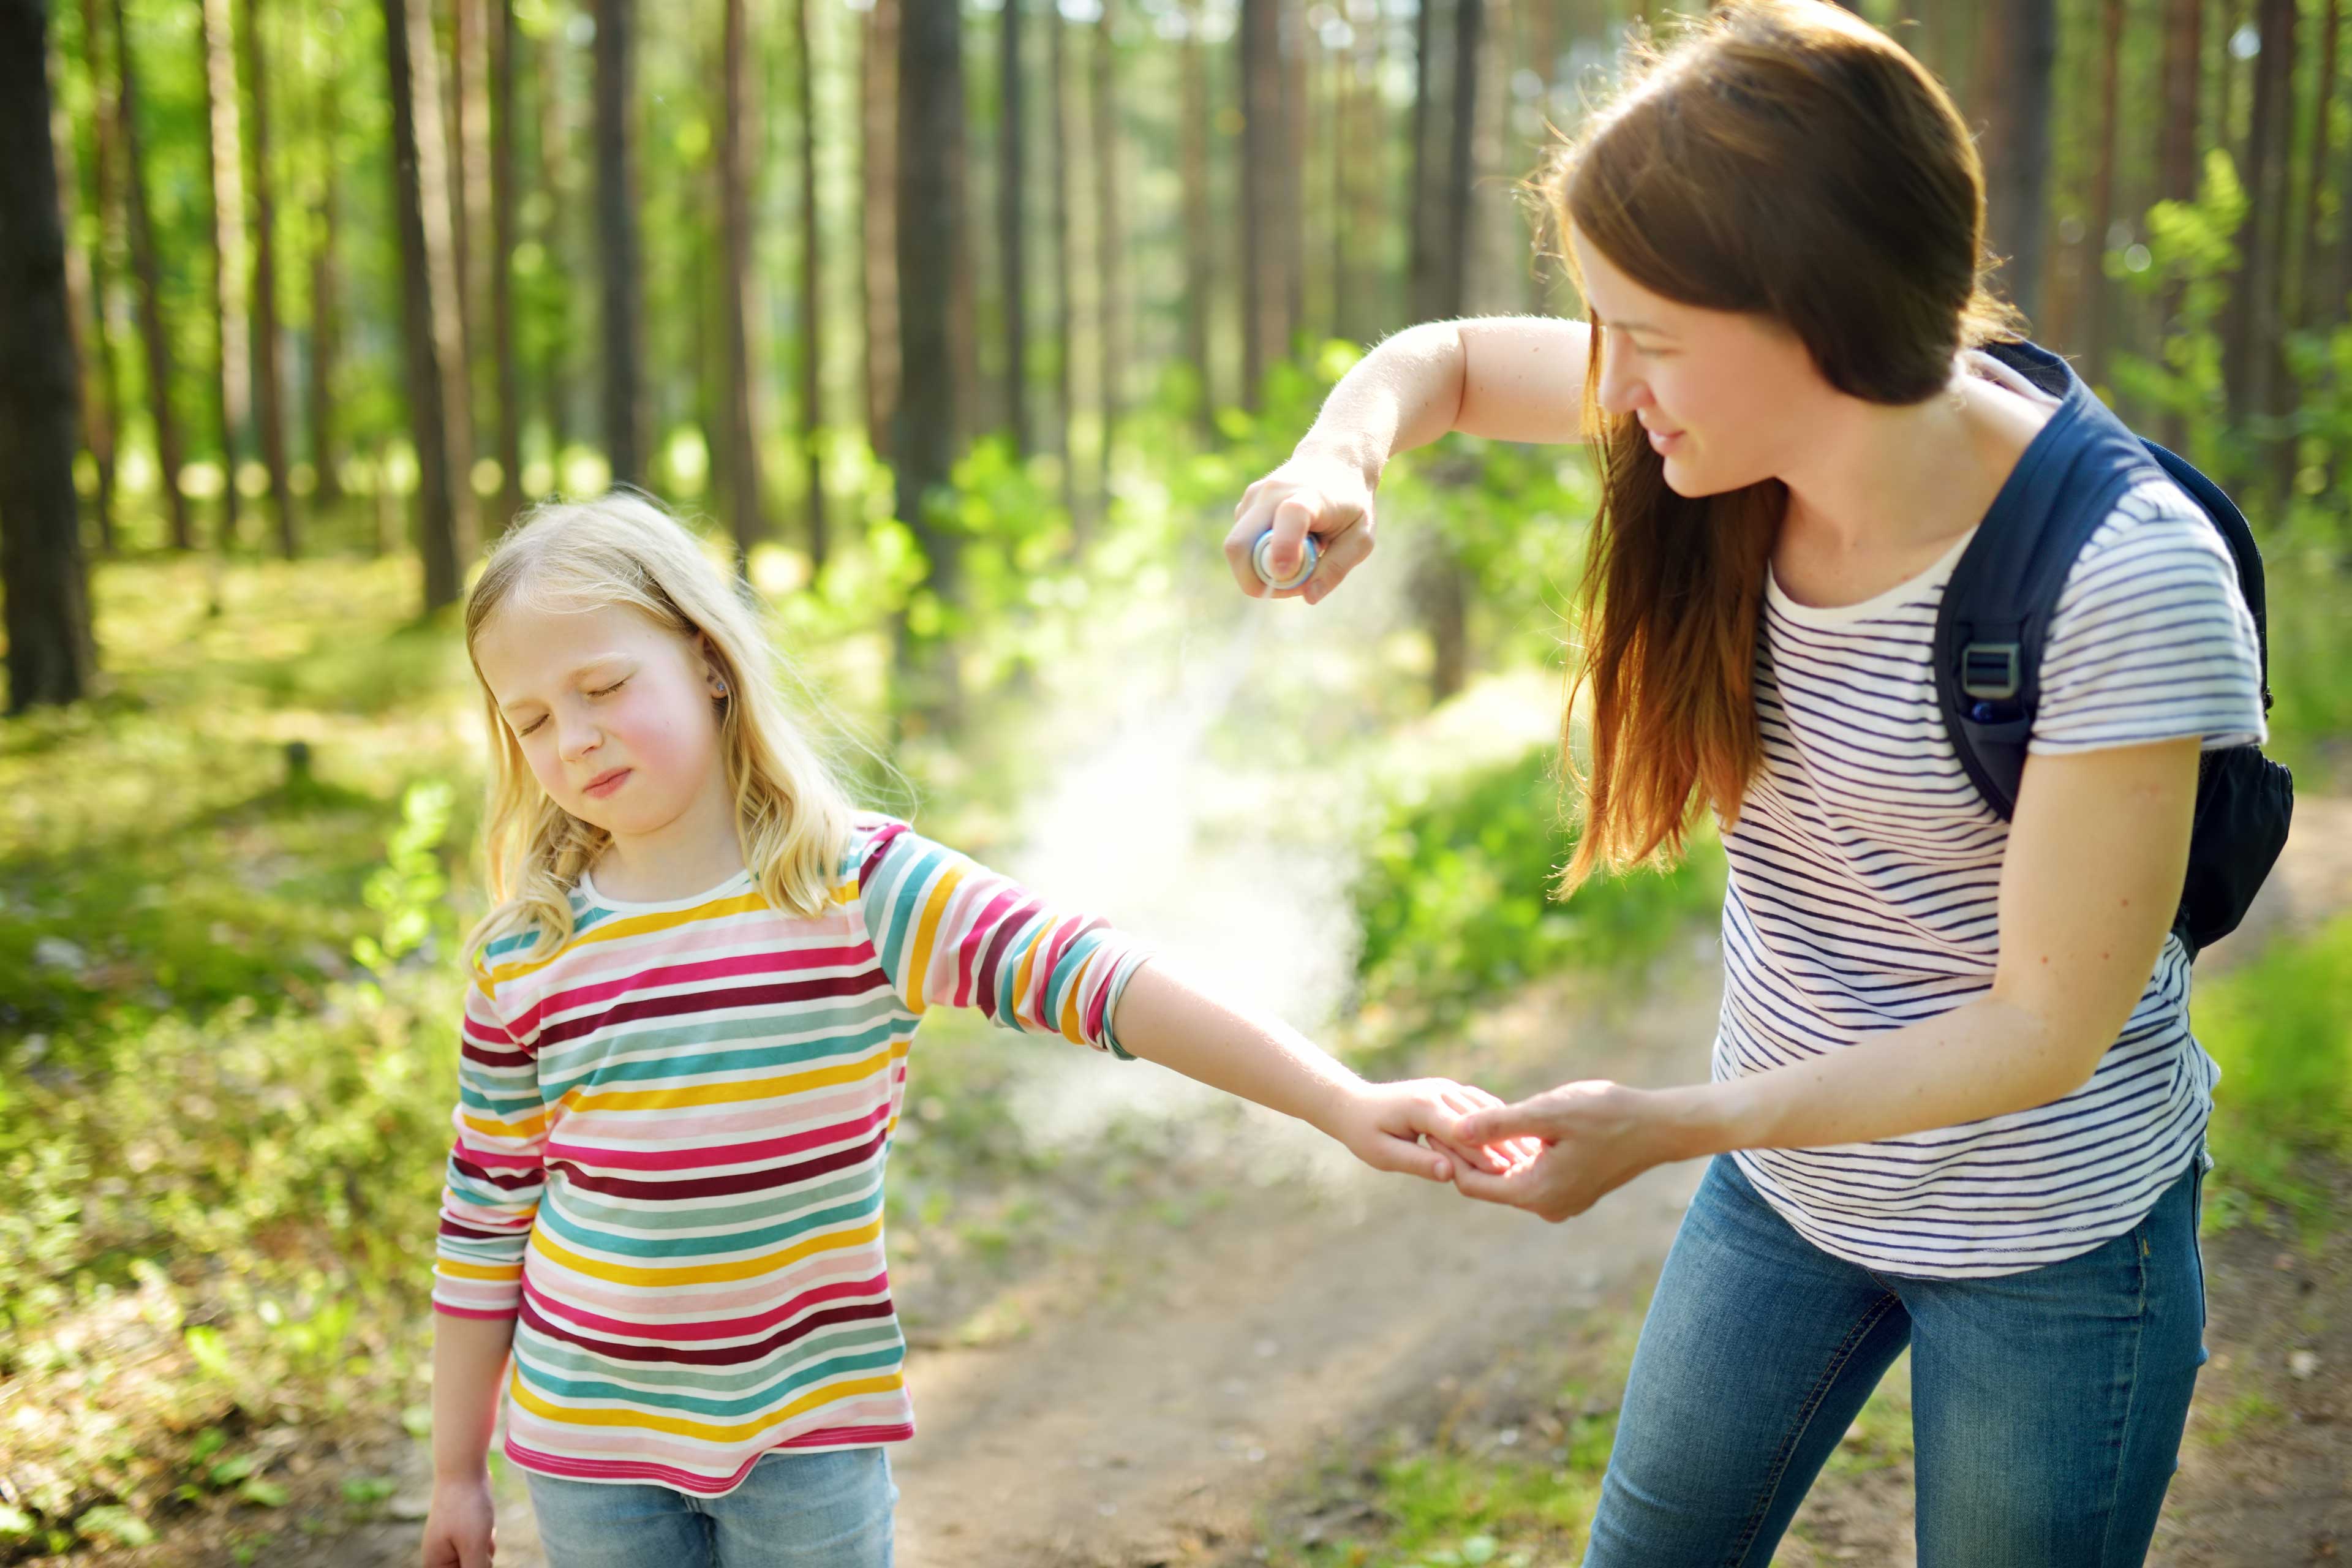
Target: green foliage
x,y
2280,1033
2192,251
1455,905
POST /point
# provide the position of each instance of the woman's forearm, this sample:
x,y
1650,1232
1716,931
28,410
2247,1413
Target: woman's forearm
x,y
470,1358
1983,1059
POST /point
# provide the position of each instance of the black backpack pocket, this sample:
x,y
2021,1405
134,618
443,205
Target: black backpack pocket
x,y
2244,804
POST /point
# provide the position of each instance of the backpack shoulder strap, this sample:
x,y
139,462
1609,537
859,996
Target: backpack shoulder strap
x,y
1996,610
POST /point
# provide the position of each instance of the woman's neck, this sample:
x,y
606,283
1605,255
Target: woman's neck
x,y
1881,481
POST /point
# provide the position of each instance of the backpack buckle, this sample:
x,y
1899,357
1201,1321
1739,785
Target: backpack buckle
x,y
1989,670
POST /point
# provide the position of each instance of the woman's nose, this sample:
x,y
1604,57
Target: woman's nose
x,y
1620,391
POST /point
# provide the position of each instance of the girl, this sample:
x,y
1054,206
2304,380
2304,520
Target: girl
x,y
1954,1100
683,1054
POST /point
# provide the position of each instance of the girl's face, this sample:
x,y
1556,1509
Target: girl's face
x,y
614,712
1725,396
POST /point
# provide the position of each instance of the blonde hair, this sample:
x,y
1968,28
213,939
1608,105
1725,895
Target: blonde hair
x,y
791,814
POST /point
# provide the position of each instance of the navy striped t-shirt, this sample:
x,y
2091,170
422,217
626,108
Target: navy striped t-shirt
x,y
1865,873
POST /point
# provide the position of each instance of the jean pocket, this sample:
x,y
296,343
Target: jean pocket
x,y
2196,1231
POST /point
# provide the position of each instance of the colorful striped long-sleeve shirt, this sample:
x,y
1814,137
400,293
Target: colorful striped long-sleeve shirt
x,y
670,1140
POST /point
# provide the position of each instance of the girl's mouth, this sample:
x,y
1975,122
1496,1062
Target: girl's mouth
x,y
606,783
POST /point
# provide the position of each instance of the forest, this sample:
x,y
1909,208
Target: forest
x,y
957,328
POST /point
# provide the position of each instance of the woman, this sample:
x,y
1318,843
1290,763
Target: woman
x,y
1954,1101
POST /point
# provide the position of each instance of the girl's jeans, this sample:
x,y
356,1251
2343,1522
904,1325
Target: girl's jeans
x,y
2047,1406
825,1509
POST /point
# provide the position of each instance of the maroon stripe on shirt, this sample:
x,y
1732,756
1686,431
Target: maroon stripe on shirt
x,y
712,1355
759,1179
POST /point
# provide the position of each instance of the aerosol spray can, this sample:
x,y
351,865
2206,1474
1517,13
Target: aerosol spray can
x,y
1264,547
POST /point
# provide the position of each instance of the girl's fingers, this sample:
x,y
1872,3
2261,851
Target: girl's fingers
x,y
1342,553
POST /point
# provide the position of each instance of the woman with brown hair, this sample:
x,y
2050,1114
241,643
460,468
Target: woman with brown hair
x,y
1954,1102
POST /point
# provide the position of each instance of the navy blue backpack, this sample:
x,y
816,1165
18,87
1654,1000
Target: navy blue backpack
x,y
1997,611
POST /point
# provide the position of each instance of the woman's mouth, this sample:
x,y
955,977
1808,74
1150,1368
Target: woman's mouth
x,y
605,783
1662,441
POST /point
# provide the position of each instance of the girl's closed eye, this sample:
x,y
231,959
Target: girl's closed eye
x,y
601,692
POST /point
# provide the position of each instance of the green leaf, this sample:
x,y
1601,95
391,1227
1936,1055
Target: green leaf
x,y
204,1345
111,1521
234,1468
269,1494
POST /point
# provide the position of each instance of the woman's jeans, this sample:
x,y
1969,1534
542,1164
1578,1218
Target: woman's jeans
x,y
2047,1406
825,1509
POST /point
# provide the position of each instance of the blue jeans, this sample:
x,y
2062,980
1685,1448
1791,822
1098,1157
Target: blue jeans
x,y
2047,1406
825,1509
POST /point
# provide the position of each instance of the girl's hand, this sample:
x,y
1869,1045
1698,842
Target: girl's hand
x,y
1315,492
1589,1139
459,1529
1384,1124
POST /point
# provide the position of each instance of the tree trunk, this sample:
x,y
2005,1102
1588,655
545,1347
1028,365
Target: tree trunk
x,y
234,401
2177,155
144,263
420,205
470,195
1423,269
2315,305
504,201
86,276
1200,253
1012,189
617,241
1065,334
2251,341
319,396
2020,59
1111,260
1442,590
929,247
2099,294
269,386
1262,143
740,453
813,335
51,654
878,276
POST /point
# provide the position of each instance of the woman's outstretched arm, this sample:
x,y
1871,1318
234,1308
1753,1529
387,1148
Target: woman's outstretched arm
x,y
2093,874
1511,378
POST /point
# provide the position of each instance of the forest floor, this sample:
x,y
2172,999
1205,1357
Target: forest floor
x,y
1274,1355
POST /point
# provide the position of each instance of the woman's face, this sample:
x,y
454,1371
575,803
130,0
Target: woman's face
x,y
1724,396
614,711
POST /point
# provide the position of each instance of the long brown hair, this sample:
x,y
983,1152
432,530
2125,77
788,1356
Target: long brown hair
x,y
1784,159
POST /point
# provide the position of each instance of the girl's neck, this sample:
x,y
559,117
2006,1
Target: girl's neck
x,y
696,850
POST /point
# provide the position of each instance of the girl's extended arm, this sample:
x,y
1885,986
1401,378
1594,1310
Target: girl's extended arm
x,y
1511,378
1164,1018
470,1358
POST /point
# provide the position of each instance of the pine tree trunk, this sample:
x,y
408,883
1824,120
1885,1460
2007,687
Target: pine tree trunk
x,y
878,275
268,381
471,215
86,279
1260,54
929,249
2098,294
52,657
740,452
2315,304
505,199
319,400
2250,339
1199,237
1110,261
420,205
813,335
233,403
149,270
1012,189
2176,156
617,241
1065,332
2016,142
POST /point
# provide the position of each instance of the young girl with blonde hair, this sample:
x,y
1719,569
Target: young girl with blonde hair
x,y
684,1052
